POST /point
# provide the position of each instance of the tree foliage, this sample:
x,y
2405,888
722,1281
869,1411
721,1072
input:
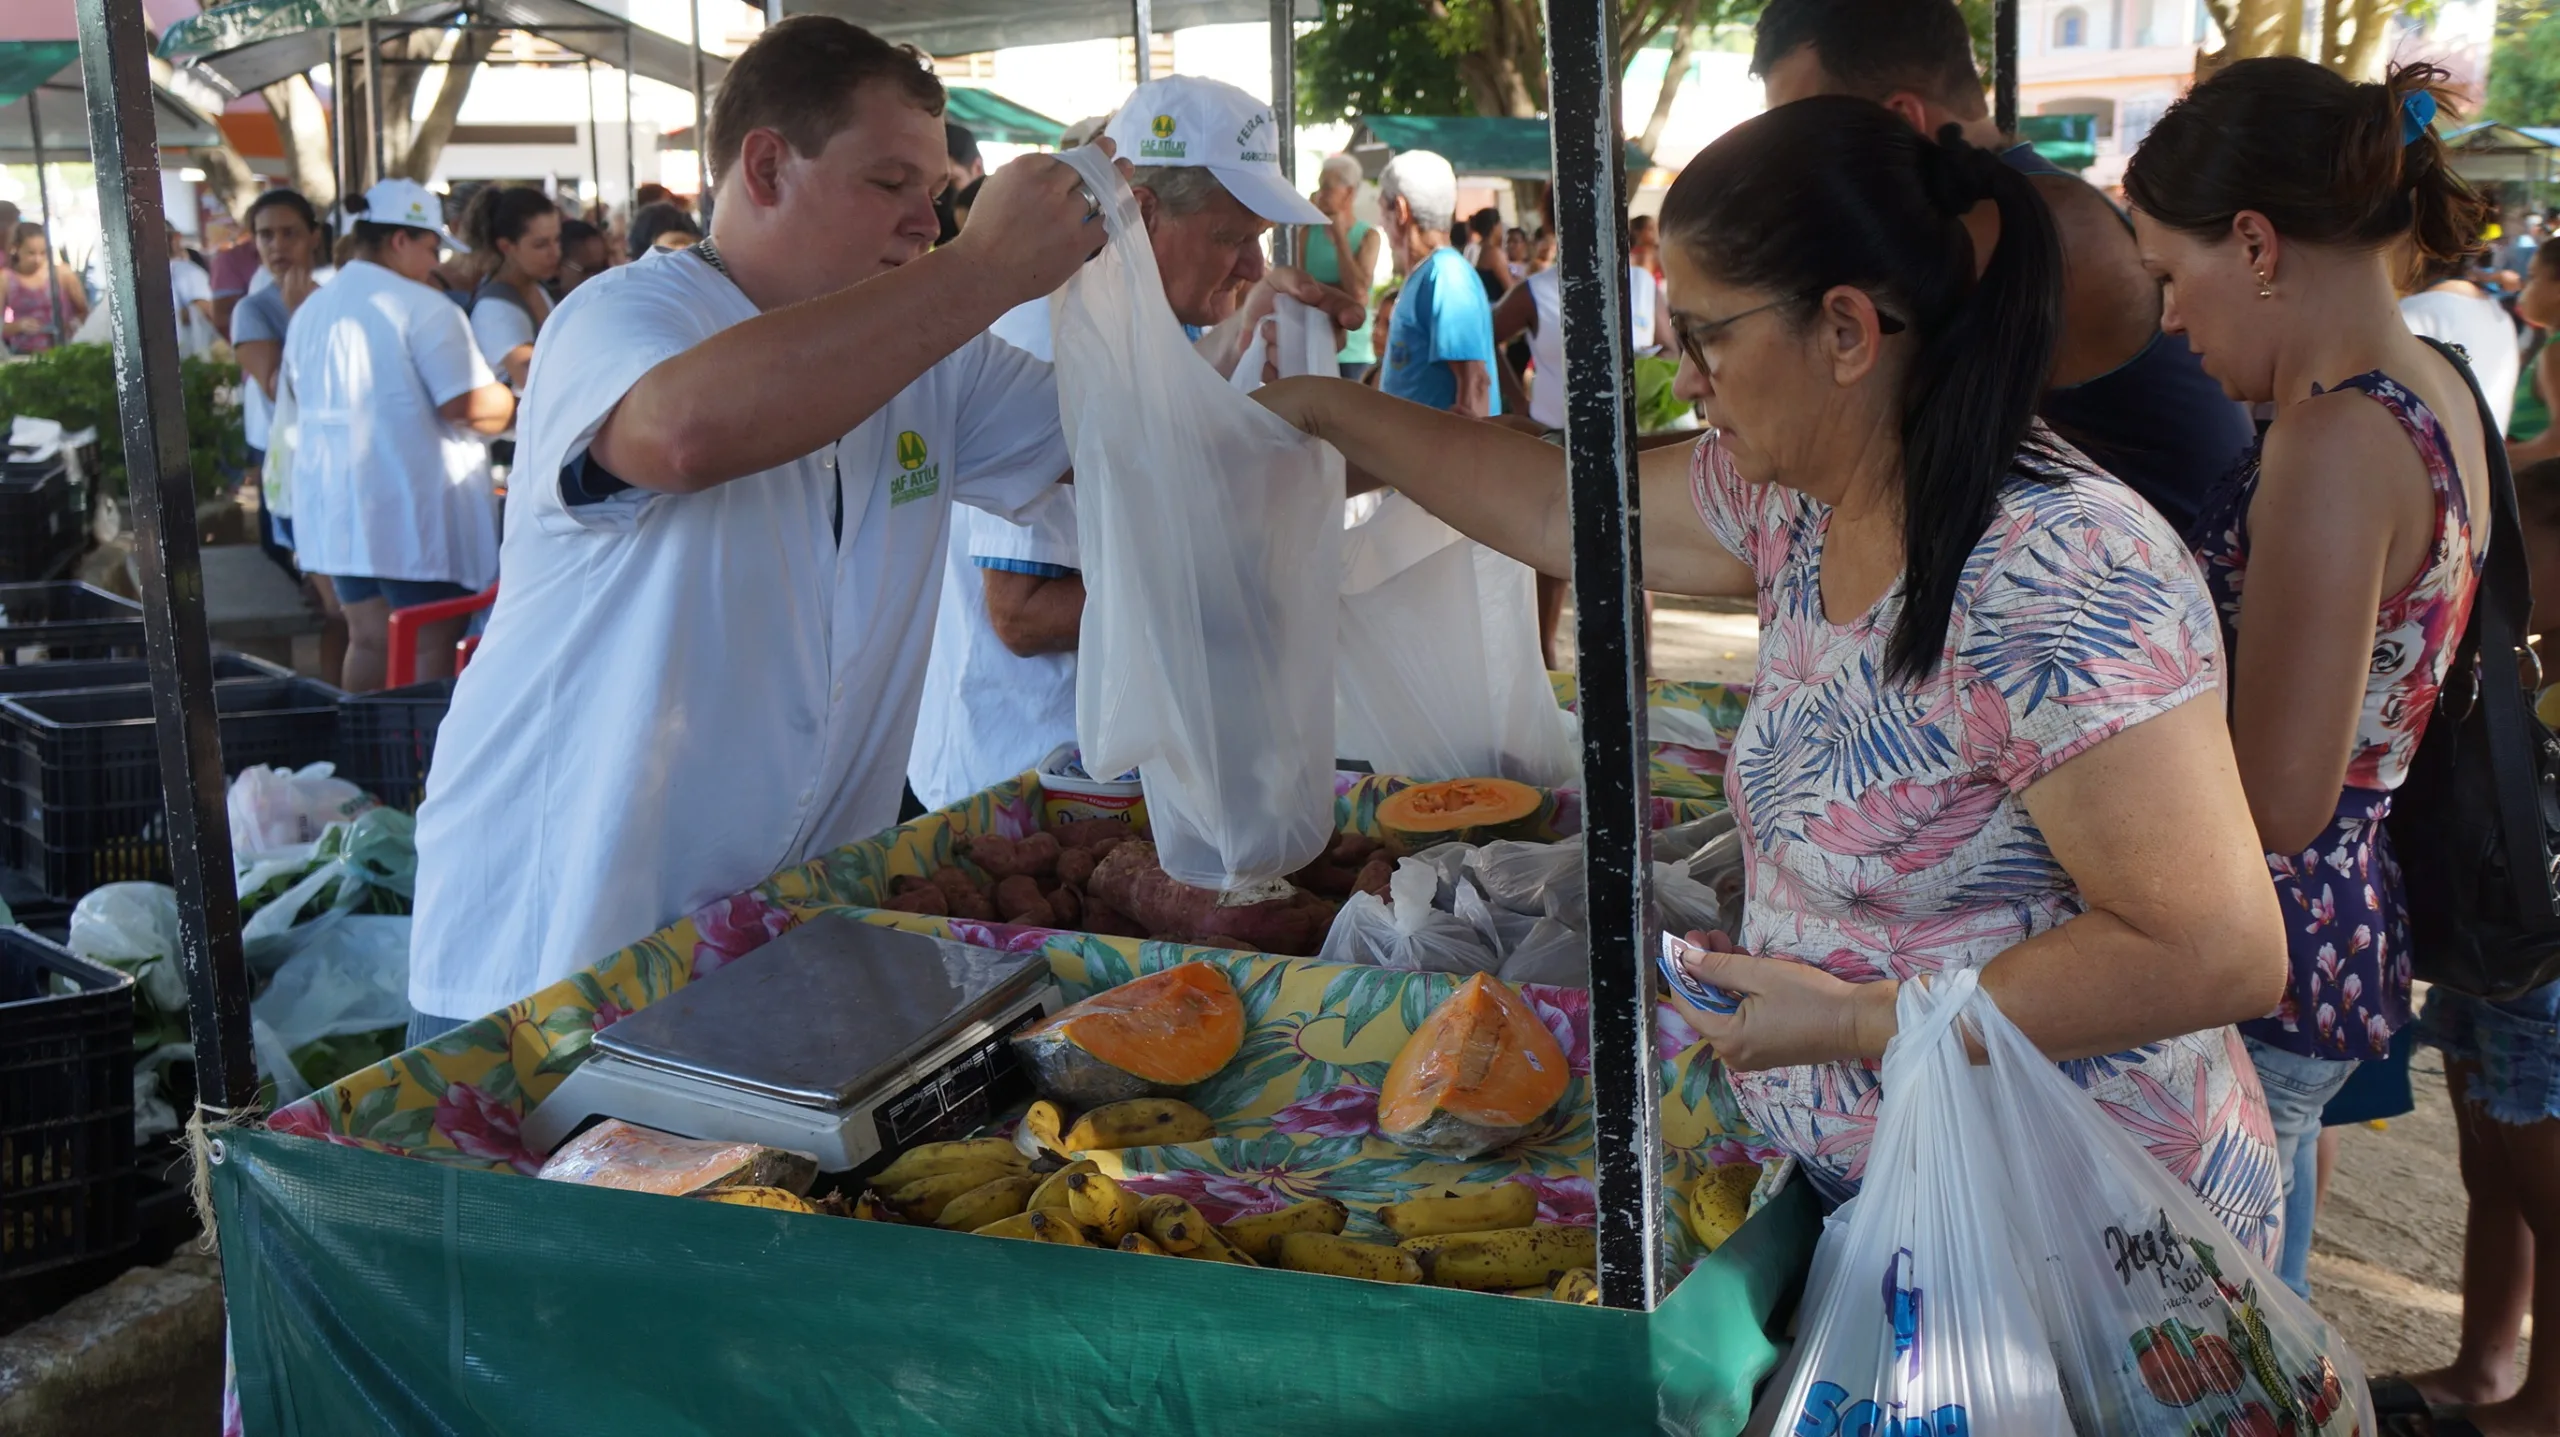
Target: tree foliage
x,y
2524,65
1454,57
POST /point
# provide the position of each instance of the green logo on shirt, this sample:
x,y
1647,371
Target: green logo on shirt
x,y
916,479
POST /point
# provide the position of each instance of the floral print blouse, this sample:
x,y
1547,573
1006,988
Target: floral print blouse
x,y
1885,833
2346,922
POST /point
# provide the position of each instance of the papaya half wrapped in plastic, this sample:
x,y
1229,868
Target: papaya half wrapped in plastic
x,y
616,1154
1148,1038
1480,1072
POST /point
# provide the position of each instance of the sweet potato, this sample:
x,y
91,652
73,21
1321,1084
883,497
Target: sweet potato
x,y
962,893
1075,866
1374,875
1018,894
1038,915
1002,857
908,883
924,898
1351,850
1067,905
1100,835
1110,922
1326,877
1130,880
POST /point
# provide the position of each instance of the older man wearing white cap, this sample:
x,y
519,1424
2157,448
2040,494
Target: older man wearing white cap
x,y
1000,690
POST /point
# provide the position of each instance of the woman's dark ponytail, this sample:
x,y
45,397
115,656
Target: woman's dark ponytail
x,y
1973,388
1839,191
501,212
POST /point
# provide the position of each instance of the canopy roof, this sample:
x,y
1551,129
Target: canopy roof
x,y
964,27
1472,144
2068,140
991,116
50,70
250,44
2488,152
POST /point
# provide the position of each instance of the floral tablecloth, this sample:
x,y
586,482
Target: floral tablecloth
x,y
1682,770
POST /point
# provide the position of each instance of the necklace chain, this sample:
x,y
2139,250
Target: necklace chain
x,y
711,256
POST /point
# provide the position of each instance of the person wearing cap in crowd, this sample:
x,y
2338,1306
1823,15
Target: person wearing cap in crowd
x,y
1000,691
1440,349
392,497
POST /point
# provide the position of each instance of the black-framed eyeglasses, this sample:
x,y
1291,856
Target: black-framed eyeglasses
x,y
1692,335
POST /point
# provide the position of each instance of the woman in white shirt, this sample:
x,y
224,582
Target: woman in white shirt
x,y
2442,304
515,229
191,294
391,467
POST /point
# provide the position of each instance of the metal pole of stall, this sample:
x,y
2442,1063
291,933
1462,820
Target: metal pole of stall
x,y
630,140
2004,66
1142,23
114,61
1284,114
373,104
595,154
338,156
1608,590
44,217
701,127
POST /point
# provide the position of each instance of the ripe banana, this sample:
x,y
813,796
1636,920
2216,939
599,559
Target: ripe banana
x,y
778,1199
986,1203
1259,1235
1514,1257
1720,1201
1040,1130
1580,1286
1051,1225
871,1207
1138,1123
1094,1200
923,1199
1140,1242
1052,1191
1340,1257
1505,1205
1176,1226
1018,1225
935,1159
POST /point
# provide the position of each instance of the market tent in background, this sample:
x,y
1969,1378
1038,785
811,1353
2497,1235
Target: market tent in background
x,y
2068,140
991,116
40,82
2489,152
250,44
1489,145
963,27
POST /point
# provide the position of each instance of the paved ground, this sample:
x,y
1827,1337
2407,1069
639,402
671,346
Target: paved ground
x,y
2386,1262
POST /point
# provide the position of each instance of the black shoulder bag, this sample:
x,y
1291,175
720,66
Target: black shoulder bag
x,y
2477,823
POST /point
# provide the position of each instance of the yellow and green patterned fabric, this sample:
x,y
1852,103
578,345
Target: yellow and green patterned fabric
x,y
1682,771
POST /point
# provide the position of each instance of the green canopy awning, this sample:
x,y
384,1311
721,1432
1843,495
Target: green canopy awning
x,y
42,78
1472,144
2070,141
962,27
991,116
25,64
250,44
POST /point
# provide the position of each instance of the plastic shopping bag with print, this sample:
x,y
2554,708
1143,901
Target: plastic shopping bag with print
x,y
1211,534
1919,1322
2163,1324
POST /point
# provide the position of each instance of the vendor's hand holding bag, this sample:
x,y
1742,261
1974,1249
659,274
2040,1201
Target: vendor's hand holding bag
x,y
1211,534
2477,824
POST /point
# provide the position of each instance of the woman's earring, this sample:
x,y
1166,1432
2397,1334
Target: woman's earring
x,y
2265,290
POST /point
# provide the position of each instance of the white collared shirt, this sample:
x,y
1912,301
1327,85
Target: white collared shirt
x,y
679,695
383,487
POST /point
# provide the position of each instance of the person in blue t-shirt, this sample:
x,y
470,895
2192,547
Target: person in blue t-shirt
x,y
1440,348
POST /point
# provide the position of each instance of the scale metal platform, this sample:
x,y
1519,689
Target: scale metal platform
x,y
839,1039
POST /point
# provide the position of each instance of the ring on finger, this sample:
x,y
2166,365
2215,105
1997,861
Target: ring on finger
x,y
1092,202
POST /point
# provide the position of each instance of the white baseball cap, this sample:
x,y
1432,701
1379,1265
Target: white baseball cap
x,y
406,203
1187,120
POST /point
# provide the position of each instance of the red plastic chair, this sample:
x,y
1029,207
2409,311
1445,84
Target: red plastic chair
x,y
400,664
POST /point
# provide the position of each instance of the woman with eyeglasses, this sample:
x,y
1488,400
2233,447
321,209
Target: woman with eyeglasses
x,y
1987,725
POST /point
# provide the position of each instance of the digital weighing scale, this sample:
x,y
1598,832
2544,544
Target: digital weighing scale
x,y
839,1039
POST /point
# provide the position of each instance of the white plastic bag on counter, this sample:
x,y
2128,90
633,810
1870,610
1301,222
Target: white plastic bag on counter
x,y
1406,931
2162,1323
273,808
1439,674
1211,535
1919,1318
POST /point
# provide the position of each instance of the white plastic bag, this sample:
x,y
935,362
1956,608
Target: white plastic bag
x,y
1211,534
1407,931
273,808
1919,1320
134,927
2163,1324
349,976
1439,674
1299,335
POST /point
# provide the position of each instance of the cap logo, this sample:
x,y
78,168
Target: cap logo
x,y
1255,129
1163,146
1163,127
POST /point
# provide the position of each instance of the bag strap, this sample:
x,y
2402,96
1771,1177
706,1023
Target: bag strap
x,y
2495,637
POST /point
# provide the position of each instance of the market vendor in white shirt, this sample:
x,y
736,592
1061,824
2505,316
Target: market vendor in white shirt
x,y
1000,692
705,658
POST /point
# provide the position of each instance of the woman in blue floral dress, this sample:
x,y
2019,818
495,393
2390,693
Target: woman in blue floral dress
x,y
2273,203
1987,725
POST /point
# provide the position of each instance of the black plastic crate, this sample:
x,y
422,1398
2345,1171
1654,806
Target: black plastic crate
x,y
41,623
88,773
43,520
385,740
66,1109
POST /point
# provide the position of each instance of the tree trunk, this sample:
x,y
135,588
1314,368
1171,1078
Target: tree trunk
x,y
303,124
2289,30
1675,72
2361,58
470,47
229,178
2262,28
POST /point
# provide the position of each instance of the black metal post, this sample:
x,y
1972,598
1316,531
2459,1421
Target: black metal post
x,y
595,152
2004,65
1608,596
44,217
630,140
1284,115
373,103
341,156
114,52
701,123
1142,23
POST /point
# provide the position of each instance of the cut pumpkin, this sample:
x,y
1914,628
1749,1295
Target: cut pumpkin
x,y
1460,810
1480,1072
1148,1038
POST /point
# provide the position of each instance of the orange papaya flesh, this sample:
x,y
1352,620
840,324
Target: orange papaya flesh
x,y
1463,810
1150,1037
1481,1072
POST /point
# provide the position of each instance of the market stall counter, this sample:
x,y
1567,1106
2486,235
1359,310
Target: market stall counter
x,y
368,1291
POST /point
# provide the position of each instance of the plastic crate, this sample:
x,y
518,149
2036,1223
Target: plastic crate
x,y
66,1109
385,739
72,676
87,773
43,520
41,623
